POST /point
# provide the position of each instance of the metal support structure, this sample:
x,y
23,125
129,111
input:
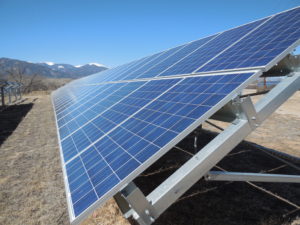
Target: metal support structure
x,y
20,92
196,134
254,177
16,94
247,118
227,113
2,96
10,89
255,94
9,95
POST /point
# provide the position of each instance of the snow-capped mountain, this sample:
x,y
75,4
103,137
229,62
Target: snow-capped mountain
x,y
77,71
49,69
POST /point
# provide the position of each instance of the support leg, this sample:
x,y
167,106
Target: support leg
x,y
133,202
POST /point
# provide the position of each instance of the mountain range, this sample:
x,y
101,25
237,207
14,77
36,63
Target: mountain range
x,y
48,69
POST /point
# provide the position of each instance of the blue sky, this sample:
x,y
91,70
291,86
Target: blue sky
x,y
114,32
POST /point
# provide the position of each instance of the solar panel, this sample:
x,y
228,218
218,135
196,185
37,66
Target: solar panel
x,y
182,53
3,83
261,46
210,50
114,124
104,149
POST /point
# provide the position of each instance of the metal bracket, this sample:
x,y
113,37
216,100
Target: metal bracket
x,y
227,113
196,134
133,202
246,110
237,109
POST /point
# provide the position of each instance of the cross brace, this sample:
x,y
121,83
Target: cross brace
x,y
254,177
145,209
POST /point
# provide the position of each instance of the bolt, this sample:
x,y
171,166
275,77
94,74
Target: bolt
x,y
147,212
152,219
135,216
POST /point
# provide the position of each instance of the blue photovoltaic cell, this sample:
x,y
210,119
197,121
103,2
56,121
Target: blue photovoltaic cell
x,y
83,98
115,73
138,129
120,75
210,50
108,129
261,46
64,100
143,69
95,101
164,64
139,64
111,74
75,126
106,114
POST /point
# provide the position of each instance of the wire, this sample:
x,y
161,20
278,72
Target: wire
x,y
248,182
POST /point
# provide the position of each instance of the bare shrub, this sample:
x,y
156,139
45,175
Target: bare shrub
x,y
34,82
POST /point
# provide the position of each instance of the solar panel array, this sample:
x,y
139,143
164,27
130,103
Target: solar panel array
x,y
9,87
114,124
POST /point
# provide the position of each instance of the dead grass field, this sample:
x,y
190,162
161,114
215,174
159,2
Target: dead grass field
x,y
32,190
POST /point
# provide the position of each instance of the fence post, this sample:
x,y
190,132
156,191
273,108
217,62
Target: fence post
x,y
2,96
9,95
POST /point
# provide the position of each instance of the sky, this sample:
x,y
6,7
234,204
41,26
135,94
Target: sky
x,y
114,32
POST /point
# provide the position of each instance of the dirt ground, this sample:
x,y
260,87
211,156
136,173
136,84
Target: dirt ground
x,y
32,190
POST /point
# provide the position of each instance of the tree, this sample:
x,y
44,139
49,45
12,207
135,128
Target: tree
x,y
17,74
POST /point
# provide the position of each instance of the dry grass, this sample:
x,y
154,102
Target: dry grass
x,y
31,188
32,192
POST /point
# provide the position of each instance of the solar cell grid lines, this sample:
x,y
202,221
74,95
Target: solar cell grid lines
x,y
115,124
211,49
134,67
111,74
182,53
262,45
164,56
108,114
101,93
82,94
